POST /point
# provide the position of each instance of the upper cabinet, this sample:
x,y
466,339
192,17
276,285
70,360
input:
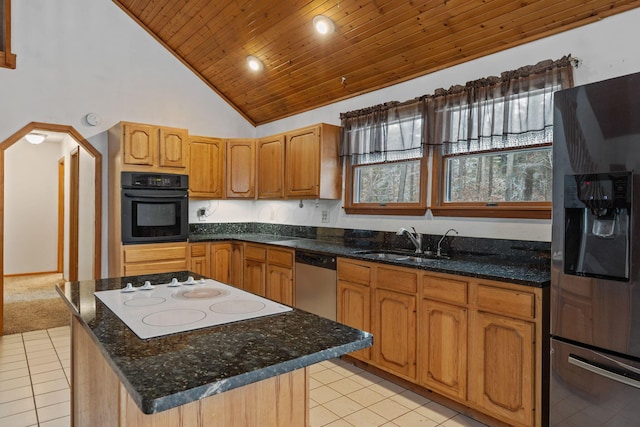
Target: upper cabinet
x,y
206,167
241,168
270,162
142,147
312,168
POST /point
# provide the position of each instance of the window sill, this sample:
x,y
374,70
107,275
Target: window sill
x,y
386,210
476,211
7,60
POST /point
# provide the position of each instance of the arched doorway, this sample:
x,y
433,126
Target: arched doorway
x,y
97,158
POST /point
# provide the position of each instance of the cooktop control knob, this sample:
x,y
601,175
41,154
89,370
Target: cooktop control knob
x,y
190,281
147,286
128,288
174,283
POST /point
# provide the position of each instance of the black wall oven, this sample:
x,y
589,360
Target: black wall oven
x,y
155,207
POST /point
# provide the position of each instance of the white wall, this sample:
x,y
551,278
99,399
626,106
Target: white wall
x,y
31,208
81,56
606,49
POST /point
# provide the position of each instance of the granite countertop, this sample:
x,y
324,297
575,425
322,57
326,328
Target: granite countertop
x,y
169,371
465,265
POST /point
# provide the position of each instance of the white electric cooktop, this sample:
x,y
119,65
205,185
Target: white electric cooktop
x,y
155,310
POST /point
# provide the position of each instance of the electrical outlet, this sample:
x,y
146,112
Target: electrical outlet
x,y
202,211
325,216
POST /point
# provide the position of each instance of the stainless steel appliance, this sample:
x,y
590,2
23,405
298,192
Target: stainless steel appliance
x,y
155,207
316,283
595,300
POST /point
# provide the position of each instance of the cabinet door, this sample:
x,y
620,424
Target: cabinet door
x,y
221,262
394,329
241,166
255,276
237,265
501,367
280,284
354,309
206,168
140,144
173,148
303,163
198,262
270,172
442,361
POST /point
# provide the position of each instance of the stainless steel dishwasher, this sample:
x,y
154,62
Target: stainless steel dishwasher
x,y
315,286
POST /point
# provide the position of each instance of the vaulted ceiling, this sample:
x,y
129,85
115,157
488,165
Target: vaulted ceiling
x,y
376,43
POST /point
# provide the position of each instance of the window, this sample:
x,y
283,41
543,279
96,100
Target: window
x,y
492,144
7,59
385,165
489,144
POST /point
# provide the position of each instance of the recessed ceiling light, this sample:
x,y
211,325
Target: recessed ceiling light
x,y
323,24
35,138
254,63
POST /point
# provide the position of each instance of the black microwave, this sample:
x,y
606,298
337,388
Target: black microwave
x,y
155,208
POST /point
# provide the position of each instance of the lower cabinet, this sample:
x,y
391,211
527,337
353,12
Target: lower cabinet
x,y
211,260
443,348
268,271
237,265
475,341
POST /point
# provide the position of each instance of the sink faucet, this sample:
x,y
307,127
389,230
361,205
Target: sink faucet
x,y
439,249
415,237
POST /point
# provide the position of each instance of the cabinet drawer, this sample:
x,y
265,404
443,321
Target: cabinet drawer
x,y
397,280
280,257
198,250
151,253
154,267
442,289
506,301
354,272
257,253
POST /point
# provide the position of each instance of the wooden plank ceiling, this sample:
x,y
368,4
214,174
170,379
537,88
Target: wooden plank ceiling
x,y
376,43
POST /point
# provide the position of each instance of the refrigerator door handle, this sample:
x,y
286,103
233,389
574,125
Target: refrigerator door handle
x,y
602,371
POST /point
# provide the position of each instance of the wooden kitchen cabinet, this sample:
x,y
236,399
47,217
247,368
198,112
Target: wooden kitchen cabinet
x,y
220,264
241,168
354,299
477,342
268,272
394,320
504,372
150,148
312,167
236,272
255,269
199,258
206,167
270,167
153,258
442,328
279,284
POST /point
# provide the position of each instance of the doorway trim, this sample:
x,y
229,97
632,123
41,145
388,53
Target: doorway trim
x,y
61,215
97,157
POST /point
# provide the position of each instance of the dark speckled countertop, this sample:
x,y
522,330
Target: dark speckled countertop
x,y
166,372
484,267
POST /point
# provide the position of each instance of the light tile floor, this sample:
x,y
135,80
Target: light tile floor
x,y
343,395
35,376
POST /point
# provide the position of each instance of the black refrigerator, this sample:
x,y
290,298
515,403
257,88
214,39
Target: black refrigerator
x,y
595,268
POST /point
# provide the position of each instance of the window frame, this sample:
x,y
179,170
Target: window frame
x,y
7,59
440,207
418,209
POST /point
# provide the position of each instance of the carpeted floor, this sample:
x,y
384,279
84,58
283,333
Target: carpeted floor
x,y
32,303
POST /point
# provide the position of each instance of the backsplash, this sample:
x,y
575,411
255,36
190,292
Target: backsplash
x,y
501,250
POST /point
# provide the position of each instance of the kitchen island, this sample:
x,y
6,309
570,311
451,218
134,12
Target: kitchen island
x,y
252,372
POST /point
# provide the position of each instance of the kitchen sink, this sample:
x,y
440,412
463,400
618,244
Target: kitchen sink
x,y
389,255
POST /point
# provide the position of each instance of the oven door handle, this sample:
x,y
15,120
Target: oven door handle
x,y
154,196
602,370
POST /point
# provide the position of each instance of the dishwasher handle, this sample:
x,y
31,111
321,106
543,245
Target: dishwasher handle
x,y
316,260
